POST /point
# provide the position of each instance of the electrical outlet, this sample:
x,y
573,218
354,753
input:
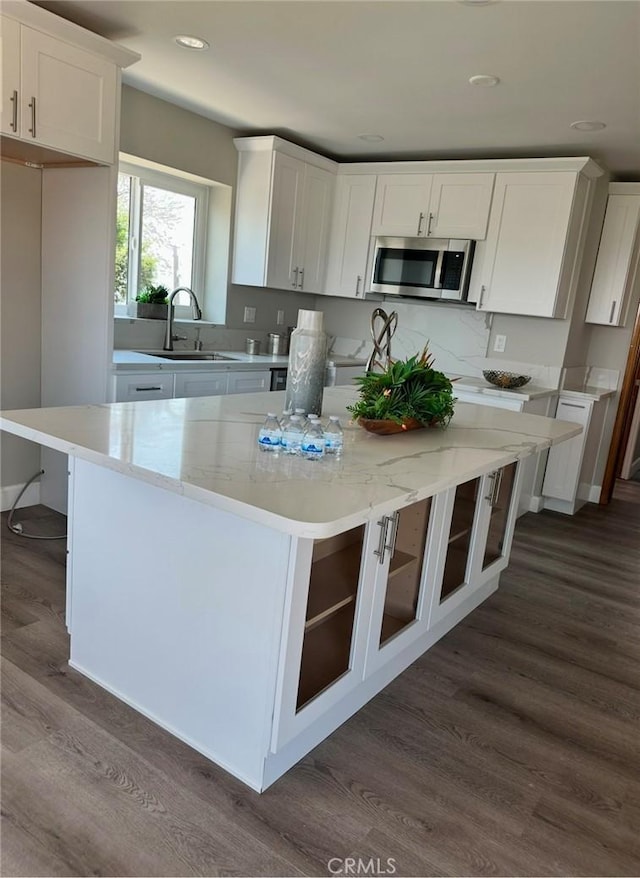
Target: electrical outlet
x,y
280,318
500,344
249,315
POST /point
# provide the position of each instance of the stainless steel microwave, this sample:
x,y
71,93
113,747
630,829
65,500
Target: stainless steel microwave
x,y
425,268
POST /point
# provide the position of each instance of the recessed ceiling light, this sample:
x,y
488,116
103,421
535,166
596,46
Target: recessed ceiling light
x,y
488,80
188,42
586,125
371,138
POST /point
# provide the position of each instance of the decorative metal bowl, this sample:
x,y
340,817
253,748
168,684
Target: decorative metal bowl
x,y
507,380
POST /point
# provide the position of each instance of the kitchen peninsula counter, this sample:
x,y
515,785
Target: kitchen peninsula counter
x,y
248,603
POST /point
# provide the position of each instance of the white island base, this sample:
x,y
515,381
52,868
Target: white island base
x,y
252,629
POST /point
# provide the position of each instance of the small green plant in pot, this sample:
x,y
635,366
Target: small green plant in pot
x,y
151,295
408,395
150,303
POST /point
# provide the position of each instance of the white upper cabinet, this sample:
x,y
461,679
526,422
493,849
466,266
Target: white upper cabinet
x,y
350,235
528,263
10,88
433,205
283,209
60,84
618,256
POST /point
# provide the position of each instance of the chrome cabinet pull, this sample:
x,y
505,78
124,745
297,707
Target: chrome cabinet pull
x,y
420,220
295,277
572,405
431,218
492,479
382,539
497,485
32,107
358,282
14,113
483,290
613,308
391,545
146,389
301,278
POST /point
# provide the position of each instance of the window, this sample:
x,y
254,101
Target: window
x,y
160,234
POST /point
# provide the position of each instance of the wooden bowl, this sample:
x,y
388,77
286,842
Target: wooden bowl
x,y
389,428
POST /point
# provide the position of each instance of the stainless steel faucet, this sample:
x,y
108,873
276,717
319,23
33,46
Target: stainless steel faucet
x,y
169,337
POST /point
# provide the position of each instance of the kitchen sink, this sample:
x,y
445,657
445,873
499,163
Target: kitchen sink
x,y
188,355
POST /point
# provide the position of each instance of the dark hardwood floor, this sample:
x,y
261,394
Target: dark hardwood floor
x,y
510,748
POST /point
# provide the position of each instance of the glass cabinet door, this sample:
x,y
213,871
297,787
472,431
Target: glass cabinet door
x,y
331,605
499,498
409,528
459,543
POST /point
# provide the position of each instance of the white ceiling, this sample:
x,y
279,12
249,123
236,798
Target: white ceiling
x,y
322,72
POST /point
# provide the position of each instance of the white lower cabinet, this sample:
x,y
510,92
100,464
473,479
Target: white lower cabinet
x,y
143,385
370,597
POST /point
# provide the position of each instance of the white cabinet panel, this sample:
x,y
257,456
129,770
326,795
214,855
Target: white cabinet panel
x,y
248,382
317,203
285,226
564,463
10,87
460,206
350,235
402,204
528,256
200,384
617,262
143,385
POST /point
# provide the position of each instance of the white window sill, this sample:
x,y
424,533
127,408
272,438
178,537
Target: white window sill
x,y
129,319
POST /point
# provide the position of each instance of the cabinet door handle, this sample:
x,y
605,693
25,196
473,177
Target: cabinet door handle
x,y
420,220
391,545
613,309
32,107
431,218
147,389
382,539
358,282
295,277
301,275
492,479
483,290
497,484
14,113
572,405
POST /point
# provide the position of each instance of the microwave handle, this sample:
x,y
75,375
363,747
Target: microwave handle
x,y
437,280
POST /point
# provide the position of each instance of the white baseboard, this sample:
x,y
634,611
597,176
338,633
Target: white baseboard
x,y
594,494
8,494
536,504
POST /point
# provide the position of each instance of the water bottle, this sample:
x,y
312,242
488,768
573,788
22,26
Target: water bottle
x,y
313,441
292,436
333,436
304,422
284,418
270,435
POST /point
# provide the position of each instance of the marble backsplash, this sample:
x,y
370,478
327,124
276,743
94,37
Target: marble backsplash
x,y
134,335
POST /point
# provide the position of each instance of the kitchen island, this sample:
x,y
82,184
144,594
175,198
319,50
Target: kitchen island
x,y
250,603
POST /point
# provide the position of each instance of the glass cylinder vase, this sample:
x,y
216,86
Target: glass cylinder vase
x,y
307,361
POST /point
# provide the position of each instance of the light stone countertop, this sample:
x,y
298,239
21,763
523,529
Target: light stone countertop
x,y
206,449
586,391
481,386
136,361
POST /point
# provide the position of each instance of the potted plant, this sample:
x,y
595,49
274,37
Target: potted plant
x,y
408,395
151,303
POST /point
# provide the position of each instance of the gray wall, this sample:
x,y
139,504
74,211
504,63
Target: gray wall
x,y
20,305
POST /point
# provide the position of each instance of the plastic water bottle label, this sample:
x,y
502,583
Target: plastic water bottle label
x,y
312,449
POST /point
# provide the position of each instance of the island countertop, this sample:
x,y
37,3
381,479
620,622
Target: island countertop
x,y
206,449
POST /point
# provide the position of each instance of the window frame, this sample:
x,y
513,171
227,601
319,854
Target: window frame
x,y
141,176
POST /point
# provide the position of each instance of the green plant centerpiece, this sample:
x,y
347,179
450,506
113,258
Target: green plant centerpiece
x,y
407,395
150,303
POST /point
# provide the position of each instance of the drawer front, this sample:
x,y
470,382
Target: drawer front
x,y
154,385
200,384
249,382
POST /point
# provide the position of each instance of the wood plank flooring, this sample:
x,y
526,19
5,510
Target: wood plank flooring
x,y
511,748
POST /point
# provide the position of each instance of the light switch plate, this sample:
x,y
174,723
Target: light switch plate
x,y
500,344
280,318
249,315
